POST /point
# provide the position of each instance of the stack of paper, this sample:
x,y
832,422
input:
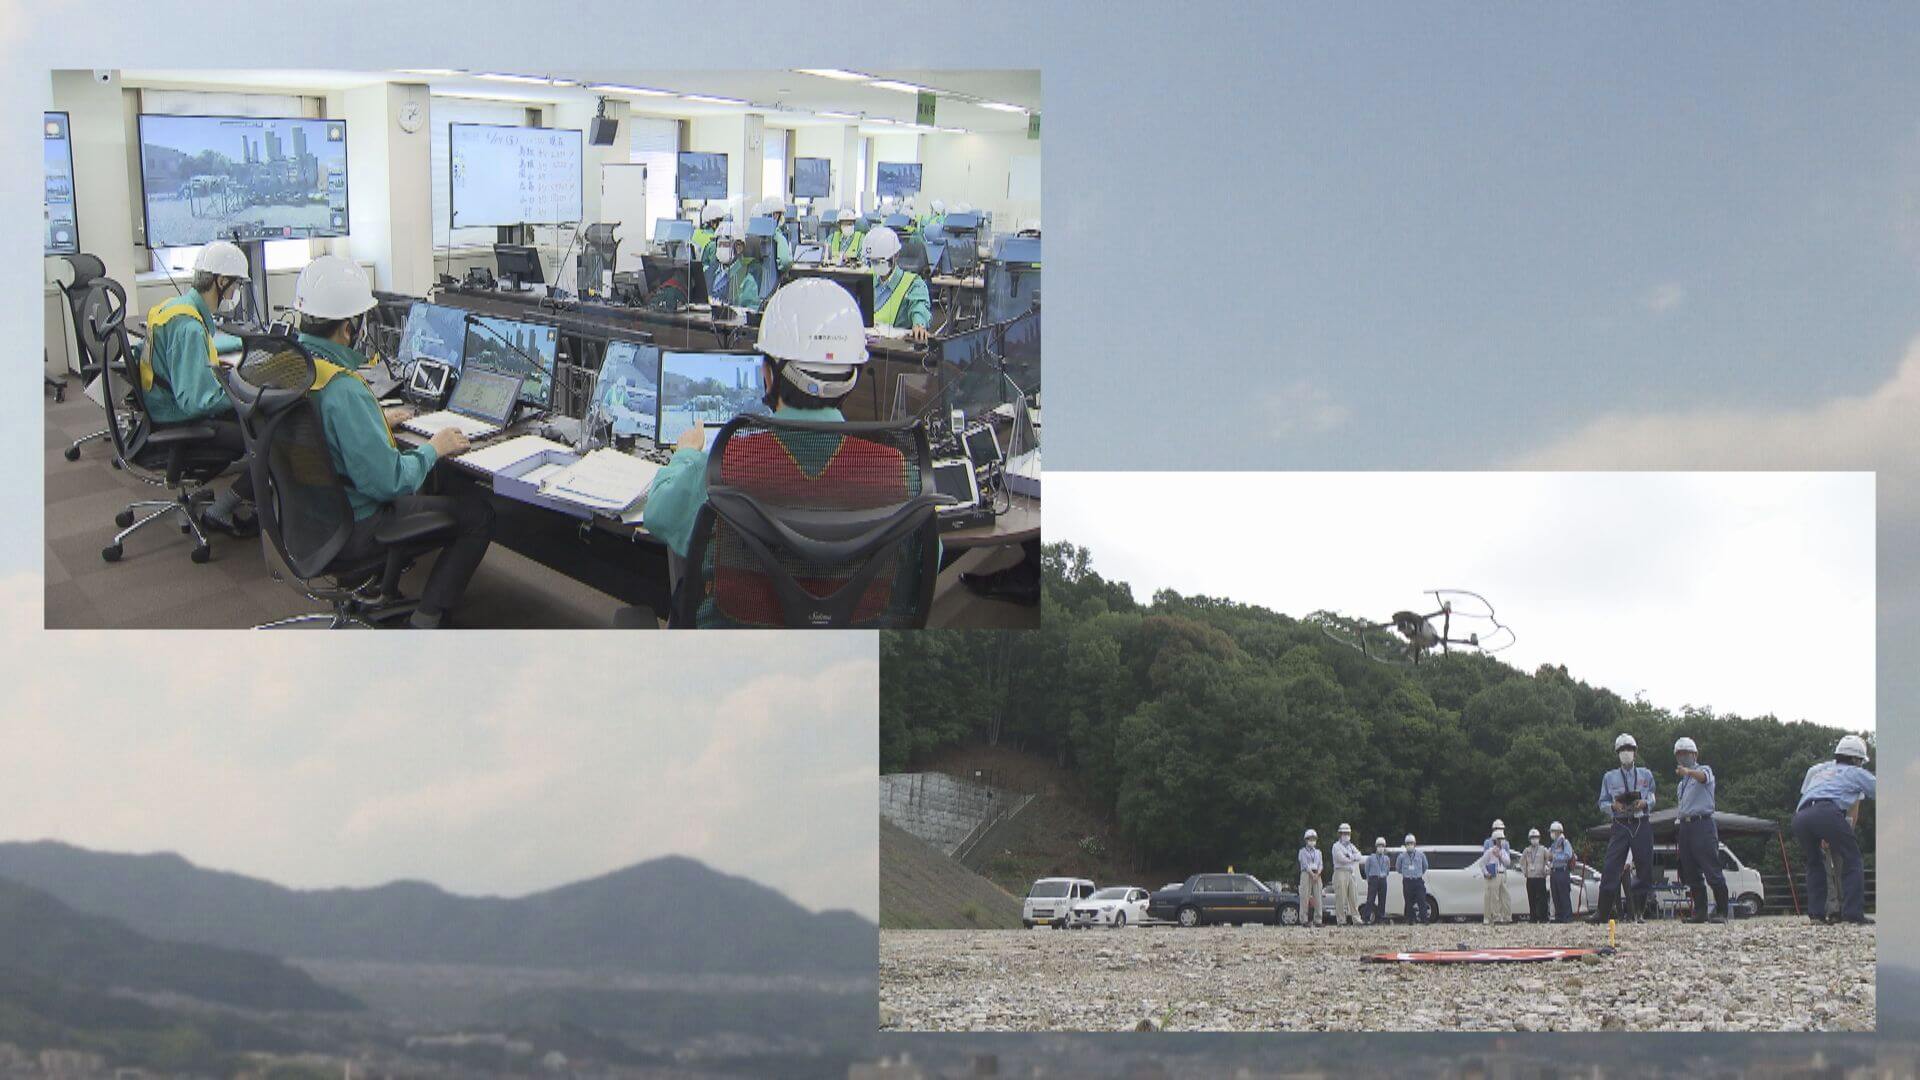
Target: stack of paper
x,y
605,480
512,452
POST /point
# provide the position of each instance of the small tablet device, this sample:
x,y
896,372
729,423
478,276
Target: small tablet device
x,y
954,477
983,446
429,379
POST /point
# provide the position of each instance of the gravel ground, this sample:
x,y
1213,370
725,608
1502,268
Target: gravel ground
x,y
1765,974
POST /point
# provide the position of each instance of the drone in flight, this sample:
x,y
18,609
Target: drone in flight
x,y
1410,635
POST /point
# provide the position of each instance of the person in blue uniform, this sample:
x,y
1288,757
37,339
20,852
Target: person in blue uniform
x,y
1828,810
1627,797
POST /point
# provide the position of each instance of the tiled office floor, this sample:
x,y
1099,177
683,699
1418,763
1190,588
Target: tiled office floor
x,y
156,585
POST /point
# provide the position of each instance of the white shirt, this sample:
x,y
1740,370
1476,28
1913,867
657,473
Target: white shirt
x,y
1345,855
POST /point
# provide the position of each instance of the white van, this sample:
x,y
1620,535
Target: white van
x,y
1050,901
1744,888
1455,889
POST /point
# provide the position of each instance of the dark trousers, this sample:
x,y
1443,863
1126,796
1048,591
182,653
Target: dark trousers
x,y
226,436
1699,843
1414,892
1634,836
1376,909
447,581
1825,821
1562,893
1537,899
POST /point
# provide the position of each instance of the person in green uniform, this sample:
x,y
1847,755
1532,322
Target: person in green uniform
x,y
843,246
332,297
180,372
900,298
740,287
771,207
805,323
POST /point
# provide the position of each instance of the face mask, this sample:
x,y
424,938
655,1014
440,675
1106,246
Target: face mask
x,y
230,302
883,269
725,255
1409,849
1380,850
1626,758
846,227
1687,761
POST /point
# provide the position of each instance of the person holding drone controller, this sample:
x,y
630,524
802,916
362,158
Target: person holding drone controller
x,y
1626,795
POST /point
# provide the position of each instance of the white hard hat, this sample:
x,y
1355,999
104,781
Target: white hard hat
x,y
1498,824
730,230
1684,743
1311,835
1556,827
1031,225
332,287
939,206
849,215
1625,742
1852,746
963,208
1379,841
881,243
713,211
1344,827
221,257
1533,834
814,326
769,206
1409,838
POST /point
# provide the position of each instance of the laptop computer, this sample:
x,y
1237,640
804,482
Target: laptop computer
x,y
481,405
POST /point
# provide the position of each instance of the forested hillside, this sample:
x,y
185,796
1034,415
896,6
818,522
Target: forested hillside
x,y
1215,732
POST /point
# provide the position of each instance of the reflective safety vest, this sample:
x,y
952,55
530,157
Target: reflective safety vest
x,y
161,314
840,245
887,313
324,372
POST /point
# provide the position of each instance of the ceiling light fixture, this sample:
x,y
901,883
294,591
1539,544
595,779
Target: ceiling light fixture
x,y
835,73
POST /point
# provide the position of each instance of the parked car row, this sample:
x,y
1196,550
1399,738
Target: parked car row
x,y
1455,890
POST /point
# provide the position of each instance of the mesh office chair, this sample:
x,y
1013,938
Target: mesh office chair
x,y
81,297
813,525
305,518
178,457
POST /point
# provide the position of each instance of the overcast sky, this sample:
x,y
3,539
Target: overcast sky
x,y
544,759
1747,592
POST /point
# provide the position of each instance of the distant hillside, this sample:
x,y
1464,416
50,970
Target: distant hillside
x,y
671,915
39,1013
842,1022
923,889
45,937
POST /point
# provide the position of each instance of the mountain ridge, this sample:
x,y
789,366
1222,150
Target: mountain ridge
x,y
671,915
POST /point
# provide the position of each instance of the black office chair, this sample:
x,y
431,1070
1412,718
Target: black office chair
x,y
305,517
80,296
813,525
178,457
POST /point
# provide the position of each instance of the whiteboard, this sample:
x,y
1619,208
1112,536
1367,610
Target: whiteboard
x,y
1023,179
513,175
623,199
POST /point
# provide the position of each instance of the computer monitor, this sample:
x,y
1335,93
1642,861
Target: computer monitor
x,y
519,265
701,175
433,332
1017,249
244,178
626,393
1011,289
511,347
711,388
812,178
63,219
672,231
858,283
971,371
663,271
896,178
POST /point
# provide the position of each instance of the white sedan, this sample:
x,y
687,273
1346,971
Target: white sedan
x,y
1115,906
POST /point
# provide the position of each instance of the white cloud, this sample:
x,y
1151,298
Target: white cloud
x,y
1665,297
1879,430
1301,408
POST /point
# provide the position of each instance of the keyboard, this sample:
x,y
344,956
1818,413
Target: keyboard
x,y
434,423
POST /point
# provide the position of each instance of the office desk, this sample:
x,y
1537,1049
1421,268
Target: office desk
x,y
628,562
